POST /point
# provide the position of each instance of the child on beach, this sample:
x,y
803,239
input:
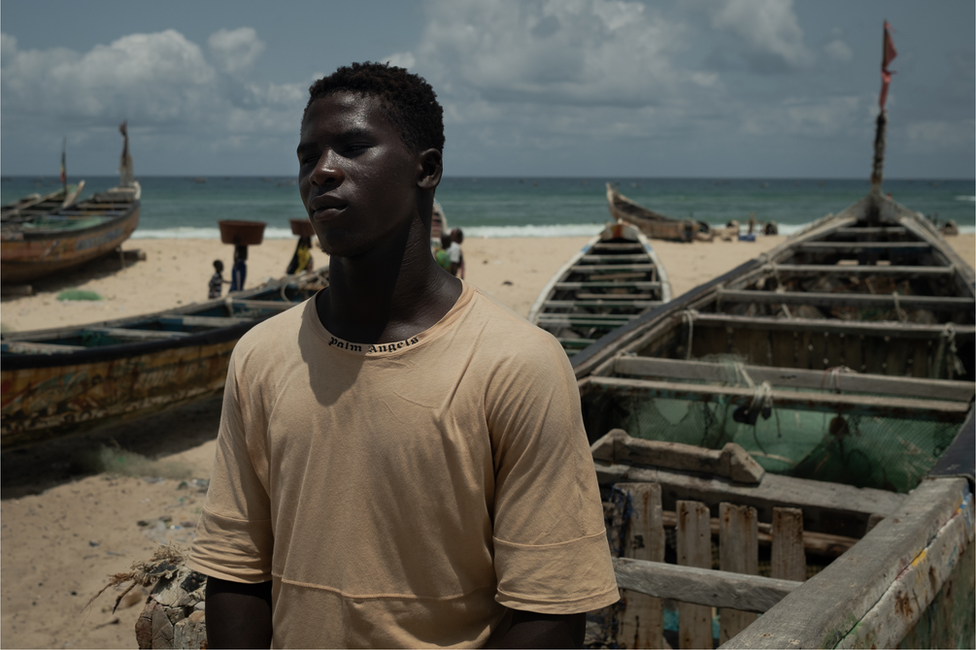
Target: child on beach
x,y
238,272
217,280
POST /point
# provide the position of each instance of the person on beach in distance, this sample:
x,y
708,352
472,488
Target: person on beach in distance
x,y
455,254
441,256
365,493
301,261
217,280
238,272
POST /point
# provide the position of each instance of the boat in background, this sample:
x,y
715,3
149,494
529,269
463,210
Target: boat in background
x,y
614,278
654,224
62,381
36,241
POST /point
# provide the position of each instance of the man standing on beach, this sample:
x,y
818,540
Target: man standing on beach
x,y
401,460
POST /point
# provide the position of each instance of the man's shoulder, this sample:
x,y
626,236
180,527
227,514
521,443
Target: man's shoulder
x,y
270,334
511,332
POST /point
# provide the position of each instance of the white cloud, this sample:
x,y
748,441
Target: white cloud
x,y
235,51
152,80
584,52
769,32
838,50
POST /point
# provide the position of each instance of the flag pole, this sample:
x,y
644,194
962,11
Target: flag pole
x,y
64,177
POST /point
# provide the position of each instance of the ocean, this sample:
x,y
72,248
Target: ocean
x,y
183,207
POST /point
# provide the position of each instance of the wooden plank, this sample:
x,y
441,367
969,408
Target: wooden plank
x,y
617,246
618,296
790,270
602,259
606,285
738,553
579,343
872,230
572,320
732,461
748,593
262,305
788,561
612,303
141,335
900,407
30,347
862,247
642,621
874,329
961,391
599,268
823,610
902,605
694,549
546,317
932,303
817,499
203,321
814,542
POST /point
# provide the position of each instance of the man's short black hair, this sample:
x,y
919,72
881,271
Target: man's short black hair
x,y
408,100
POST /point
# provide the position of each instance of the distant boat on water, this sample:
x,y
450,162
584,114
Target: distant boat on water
x,y
40,236
653,224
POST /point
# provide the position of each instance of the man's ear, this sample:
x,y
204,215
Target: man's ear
x,y
431,169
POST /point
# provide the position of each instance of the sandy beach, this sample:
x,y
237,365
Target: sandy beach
x,y
78,510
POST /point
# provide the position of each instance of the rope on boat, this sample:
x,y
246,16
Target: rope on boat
x,y
832,377
954,365
688,316
771,265
902,316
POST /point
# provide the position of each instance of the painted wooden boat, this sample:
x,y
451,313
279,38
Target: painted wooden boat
x,y
654,224
615,277
37,205
825,388
857,331
36,241
704,541
60,381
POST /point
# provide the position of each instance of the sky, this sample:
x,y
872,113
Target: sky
x,y
531,88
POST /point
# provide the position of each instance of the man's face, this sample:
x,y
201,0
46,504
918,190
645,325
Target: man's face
x,y
357,178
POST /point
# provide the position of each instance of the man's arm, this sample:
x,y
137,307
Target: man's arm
x,y
532,630
238,614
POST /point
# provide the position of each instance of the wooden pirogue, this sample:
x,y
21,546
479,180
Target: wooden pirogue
x,y
40,238
654,224
615,277
61,381
821,391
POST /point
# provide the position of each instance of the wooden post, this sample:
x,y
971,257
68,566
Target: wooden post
x,y
789,561
738,553
694,541
642,620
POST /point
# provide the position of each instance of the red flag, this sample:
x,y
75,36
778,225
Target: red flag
x,y
888,56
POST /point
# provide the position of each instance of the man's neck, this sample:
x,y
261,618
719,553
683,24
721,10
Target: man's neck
x,y
386,295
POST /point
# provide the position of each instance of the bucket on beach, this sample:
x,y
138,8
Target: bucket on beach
x,y
241,233
301,227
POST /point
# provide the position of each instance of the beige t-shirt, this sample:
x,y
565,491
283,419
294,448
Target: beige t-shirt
x,y
405,494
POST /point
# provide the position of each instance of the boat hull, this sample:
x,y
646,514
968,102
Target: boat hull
x,y
42,403
614,278
40,255
65,381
